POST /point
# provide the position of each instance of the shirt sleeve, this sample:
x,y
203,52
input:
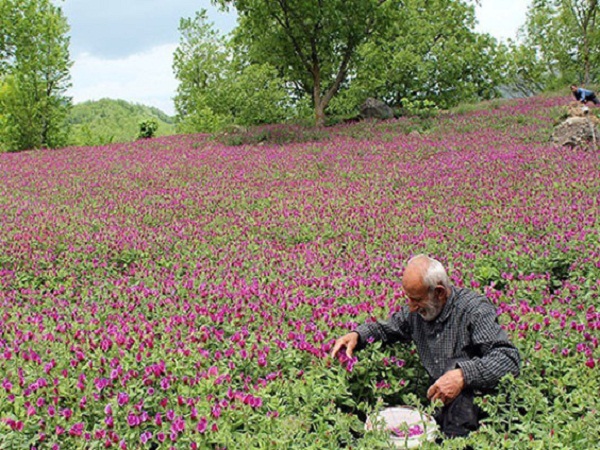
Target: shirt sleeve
x,y
395,329
498,355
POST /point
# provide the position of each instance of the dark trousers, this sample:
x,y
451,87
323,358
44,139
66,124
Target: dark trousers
x,y
593,99
460,417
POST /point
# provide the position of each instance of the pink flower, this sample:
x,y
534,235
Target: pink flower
x,y
76,429
202,423
178,425
7,385
133,420
122,398
145,437
590,363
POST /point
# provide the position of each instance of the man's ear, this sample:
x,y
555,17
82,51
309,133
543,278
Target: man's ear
x,y
441,292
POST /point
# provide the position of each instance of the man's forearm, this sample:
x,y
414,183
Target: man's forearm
x,y
388,331
485,372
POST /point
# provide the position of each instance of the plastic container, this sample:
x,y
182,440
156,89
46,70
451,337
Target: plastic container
x,y
408,427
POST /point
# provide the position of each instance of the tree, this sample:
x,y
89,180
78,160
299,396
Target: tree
x,y
217,87
34,64
584,13
312,43
428,52
564,37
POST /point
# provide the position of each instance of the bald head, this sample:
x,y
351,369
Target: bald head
x,y
426,285
414,273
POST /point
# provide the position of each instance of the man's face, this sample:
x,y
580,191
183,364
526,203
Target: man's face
x,y
573,88
425,303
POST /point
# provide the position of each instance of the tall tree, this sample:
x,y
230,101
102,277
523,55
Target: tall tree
x,y
584,13
312,42
34,64
564,36
217,87
429,51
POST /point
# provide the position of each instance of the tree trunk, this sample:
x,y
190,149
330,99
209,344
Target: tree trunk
x,y
586,59
319,114
317,99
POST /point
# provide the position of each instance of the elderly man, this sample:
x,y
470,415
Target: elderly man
x,y
458,338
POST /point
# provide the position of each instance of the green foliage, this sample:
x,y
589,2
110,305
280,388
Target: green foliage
x,y
312,44
148,128
100,122
421,108
560,45
217,89
428,52
34,75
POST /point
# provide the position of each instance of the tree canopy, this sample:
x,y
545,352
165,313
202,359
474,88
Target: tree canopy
x,y
312,43
560,43
34,74
430,52
218,87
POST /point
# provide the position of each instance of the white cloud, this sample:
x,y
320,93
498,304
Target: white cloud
x,y
501,18
145,78
117,28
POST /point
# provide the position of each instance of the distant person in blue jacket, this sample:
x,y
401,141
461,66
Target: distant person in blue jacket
x,y
583,95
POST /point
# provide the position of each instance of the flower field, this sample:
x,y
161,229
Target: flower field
x,y
182,293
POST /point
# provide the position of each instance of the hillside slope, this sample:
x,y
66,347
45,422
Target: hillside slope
x,y
99,122
187,291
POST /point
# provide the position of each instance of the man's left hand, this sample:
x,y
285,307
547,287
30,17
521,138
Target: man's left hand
x,y
447,387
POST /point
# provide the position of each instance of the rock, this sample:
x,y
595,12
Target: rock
x,y
576,131
375,109
578,109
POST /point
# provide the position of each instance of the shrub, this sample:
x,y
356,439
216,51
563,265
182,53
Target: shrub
x,y
421,108
148,128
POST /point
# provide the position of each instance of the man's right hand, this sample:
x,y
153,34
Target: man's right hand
x,y
350,341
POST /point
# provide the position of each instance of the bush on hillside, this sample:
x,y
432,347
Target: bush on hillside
x,y
148,129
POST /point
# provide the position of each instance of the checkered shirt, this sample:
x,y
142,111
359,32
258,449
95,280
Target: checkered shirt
x,y
466,334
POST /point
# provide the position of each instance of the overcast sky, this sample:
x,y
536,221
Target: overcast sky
x,y
124,48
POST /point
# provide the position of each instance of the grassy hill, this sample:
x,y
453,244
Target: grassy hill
x,y
100,122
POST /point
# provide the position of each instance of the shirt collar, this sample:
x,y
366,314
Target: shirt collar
x,y
447,307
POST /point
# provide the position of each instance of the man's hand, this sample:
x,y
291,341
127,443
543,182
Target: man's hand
x,y
447,387
350,341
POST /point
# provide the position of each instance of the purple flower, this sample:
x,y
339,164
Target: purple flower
x,y
178,425
202,424
76,429
145,437
122,398
590,363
